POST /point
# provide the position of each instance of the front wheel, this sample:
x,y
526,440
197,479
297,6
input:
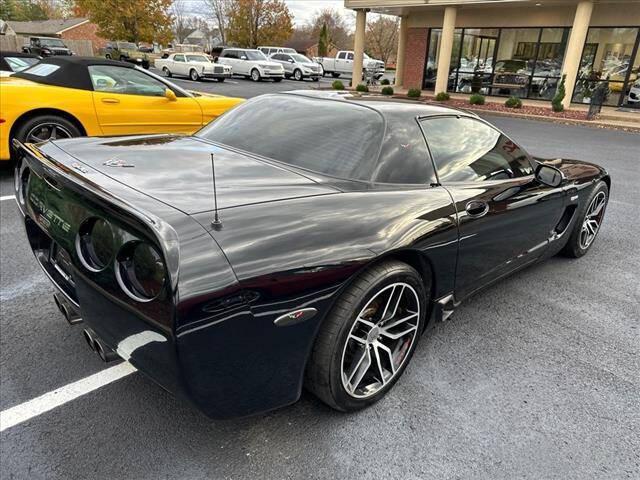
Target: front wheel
x,y
297,75
193,75
108,56
589,220
368,338
255,75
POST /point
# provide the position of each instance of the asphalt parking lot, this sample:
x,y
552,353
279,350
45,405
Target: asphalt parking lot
x,y
536,377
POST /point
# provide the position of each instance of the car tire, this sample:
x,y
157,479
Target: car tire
x,y
346,344
123,58
193,75
297,75
220,80
38,126
589,219
166,71
255,75
108,56
335,74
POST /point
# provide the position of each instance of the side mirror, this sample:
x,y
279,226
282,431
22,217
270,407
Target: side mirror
x,y
243,57
215,59
290,61
548,175
171,96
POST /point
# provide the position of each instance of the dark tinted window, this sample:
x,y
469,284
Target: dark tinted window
x,y
465,149
331,137
404,157
229,54
342,55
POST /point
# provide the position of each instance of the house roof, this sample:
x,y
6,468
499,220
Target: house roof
x,y
46,27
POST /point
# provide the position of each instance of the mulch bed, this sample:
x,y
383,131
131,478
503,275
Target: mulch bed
x,y
500,107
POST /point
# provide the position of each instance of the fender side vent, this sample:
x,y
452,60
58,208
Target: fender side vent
x,y
566,219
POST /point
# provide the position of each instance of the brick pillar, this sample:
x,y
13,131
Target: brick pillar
x,y
416,51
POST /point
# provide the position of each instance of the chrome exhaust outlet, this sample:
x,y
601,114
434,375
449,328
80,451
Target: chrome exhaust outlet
x,y
69,312
90,339
106,354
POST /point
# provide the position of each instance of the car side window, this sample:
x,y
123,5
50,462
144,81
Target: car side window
x,y
350,56
123,80
342,55
179,58
468,150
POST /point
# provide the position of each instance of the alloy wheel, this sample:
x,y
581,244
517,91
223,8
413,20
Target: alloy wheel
x,y
592,220
255,75
380,339
298,75
47,131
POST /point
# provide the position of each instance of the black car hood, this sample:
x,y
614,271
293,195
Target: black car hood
x,y
177,171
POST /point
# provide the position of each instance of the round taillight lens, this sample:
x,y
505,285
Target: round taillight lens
x,y
141,271
96,244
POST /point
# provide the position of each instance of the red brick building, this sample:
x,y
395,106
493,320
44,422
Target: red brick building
x,y
67,29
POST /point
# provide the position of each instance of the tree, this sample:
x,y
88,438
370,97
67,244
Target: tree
x,y
219,12
336,25
323,41
258,22
181,22
134,21
382,37
22,10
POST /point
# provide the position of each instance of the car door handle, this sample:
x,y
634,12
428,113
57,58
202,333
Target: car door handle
x,y
110,100
477,208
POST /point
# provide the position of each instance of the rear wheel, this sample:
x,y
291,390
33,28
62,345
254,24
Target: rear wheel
x,y
255,75
368,338
335,74
589,220
46,127
193,75
166,71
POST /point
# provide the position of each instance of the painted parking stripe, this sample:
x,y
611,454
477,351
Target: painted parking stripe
x,y
7,197
25,411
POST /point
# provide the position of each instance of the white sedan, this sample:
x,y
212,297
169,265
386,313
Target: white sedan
x,y
196,66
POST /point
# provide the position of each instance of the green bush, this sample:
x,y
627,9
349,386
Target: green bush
x,y
387,91
362,88
385,81
338,85
442,97
476,99
414,93
513,102
556,102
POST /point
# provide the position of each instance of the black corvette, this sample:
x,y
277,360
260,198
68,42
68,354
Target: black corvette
x,y
341,228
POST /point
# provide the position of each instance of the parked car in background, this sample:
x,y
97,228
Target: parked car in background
x,y
63,97
268,51
126,52
196,66
343,64
145,47
633,98
46,47
298,66
17,61
251,63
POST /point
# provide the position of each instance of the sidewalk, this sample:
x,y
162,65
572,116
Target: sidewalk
x,y
609,117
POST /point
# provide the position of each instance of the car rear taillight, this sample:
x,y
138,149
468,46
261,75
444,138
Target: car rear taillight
x,y
140,271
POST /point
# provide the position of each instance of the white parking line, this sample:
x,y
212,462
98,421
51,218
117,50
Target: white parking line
x,y
25,411
7,197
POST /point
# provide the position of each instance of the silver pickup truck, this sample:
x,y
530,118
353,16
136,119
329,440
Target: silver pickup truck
x,y
343,64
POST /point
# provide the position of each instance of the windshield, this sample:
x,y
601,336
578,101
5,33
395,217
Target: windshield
x,y
326,136
127,46
197,58
51,42
17,64
253,54
300,58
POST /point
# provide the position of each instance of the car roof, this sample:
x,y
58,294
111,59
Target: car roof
x,y
383,105
72,73
18,54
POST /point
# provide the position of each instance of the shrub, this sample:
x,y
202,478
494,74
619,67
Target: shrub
x,y
513,102
387,91
338,85
414,93
556,102
362,88
443,97
476,99
385,81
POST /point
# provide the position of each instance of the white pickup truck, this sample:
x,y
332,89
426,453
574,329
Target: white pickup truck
x,y
193,65
343,64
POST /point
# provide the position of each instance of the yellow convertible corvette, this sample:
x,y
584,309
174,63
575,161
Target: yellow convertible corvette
x,y
72,96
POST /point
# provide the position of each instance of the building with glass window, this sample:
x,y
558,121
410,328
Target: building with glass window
x,y
514,47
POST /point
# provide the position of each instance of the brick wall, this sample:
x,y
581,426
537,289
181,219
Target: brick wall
x,y
86,31
415,54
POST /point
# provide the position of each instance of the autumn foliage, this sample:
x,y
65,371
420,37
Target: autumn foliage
x,y
252,23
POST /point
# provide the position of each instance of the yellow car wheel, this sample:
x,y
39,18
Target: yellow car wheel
x,y
46,127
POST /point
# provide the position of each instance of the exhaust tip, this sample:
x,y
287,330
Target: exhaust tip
x,y
89,339
105,353
71,315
